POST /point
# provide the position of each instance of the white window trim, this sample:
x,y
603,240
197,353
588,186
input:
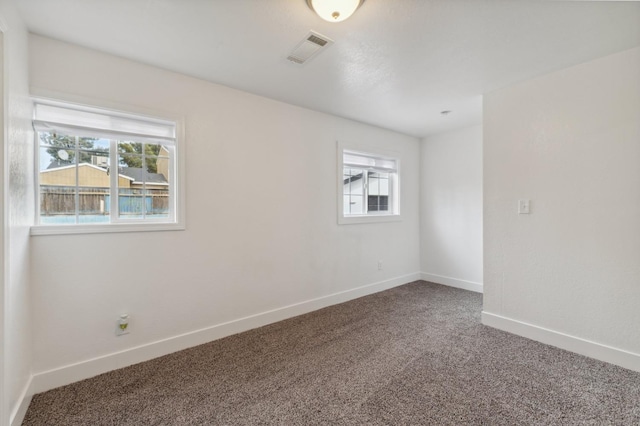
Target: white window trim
x,y
179,220
394,190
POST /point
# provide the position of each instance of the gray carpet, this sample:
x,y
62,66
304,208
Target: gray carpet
x,y
416,354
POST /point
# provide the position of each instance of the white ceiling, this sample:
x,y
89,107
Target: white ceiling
x,y
395,63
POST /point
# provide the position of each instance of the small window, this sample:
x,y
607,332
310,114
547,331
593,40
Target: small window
x,y
99,167
369,187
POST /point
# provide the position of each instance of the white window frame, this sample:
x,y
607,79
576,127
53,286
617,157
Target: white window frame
x,y
394,185
176,219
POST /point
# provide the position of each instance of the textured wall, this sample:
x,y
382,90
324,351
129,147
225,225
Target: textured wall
x,y
18,178
451,205
570,142
261,213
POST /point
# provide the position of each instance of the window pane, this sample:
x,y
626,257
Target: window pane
x,y
145,181
157,183
370,193
372,203
384,203
164,151
160,202
57,186
346,181
93,169
130,160
130,203
92,144
346,207
95,158
130,147
149,149
353,189
357,186
52,158
162,168
93,180
356,205
378,203
57,204
353,181
157,203
57,140
151,164
146,169
154,150
374,188
54,141
77,173
94,151
93,205
384,186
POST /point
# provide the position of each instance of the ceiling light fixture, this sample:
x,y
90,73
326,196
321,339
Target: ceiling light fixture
x,y
334,10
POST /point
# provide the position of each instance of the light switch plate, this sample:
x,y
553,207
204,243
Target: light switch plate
x,y
523,206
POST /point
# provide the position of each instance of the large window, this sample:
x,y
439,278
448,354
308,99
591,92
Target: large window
x,y
368,186
98,167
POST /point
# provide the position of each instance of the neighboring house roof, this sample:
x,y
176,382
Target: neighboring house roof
x,y
353,178
140,175
59,165
135,174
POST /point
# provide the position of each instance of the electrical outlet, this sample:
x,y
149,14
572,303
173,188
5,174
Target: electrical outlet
x,y
122,325
379,266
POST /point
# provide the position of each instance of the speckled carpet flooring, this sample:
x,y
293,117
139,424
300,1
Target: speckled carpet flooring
x,y
413,355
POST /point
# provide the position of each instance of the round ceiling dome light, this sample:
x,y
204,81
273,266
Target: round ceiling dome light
x,y
334,10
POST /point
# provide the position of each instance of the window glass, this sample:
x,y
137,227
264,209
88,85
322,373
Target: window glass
x,y
353,190
369,182
147,195
100,179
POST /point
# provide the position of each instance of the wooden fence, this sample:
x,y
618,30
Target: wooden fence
x,y
61,200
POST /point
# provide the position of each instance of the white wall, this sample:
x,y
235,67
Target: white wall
x,y
17,176
570,142
451,208
262,229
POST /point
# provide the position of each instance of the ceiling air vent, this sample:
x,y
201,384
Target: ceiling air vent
x,y
312,44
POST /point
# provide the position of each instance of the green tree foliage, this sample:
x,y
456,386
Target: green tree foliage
x,y
67,144
130,152
130,155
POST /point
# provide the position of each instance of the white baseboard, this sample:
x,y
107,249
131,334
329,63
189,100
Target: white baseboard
x,y
584,347
67,374
452,282
20,410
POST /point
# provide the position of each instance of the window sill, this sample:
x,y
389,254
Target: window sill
x,y
352,220
104,229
